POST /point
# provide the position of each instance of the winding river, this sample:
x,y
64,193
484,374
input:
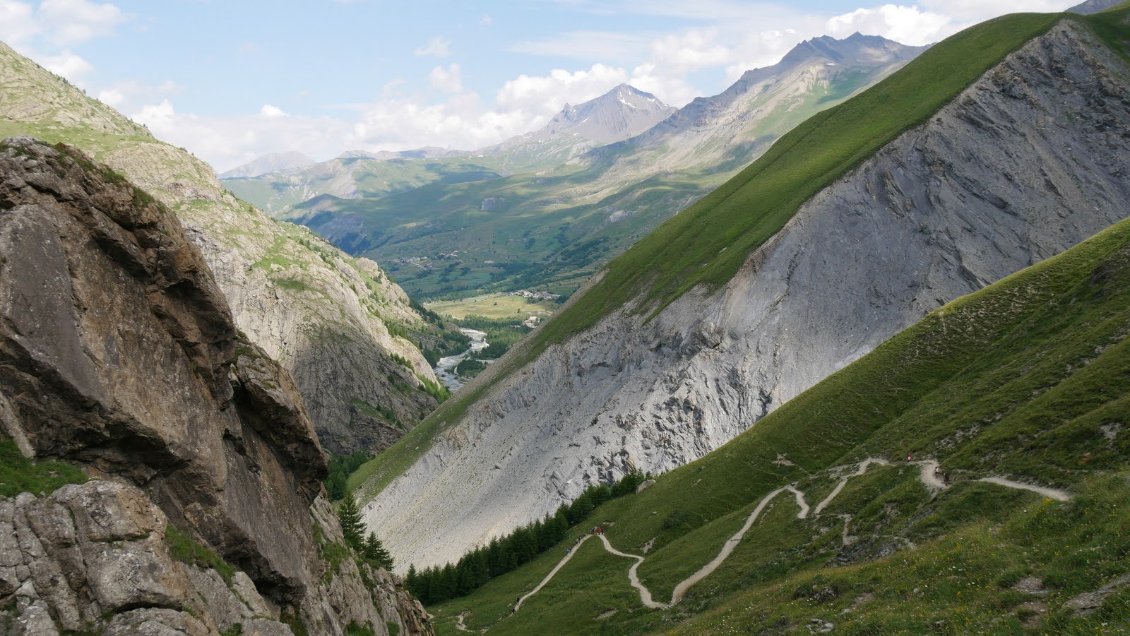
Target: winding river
x,y
445,368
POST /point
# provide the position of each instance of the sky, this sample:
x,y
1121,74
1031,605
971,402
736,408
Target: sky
x,y
232,80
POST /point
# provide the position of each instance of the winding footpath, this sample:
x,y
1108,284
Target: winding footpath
x,y
928,474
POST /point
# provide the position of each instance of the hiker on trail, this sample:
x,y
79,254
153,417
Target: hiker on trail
x,y
909,457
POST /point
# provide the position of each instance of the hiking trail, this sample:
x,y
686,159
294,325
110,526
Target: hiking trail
x,y
929,474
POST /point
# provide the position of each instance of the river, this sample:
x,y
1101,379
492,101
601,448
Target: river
x,y
445,368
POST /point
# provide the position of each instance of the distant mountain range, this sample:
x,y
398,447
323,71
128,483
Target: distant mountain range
x,y
274,162
546,209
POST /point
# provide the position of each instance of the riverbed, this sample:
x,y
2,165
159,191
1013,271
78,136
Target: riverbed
x,y
445,368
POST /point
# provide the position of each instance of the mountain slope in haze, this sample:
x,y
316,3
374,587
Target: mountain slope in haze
x,y
338,324
619,114
1027,380
354,173
614,116
852,227
554,229
274,162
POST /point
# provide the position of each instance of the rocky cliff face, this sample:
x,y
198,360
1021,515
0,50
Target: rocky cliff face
x,y
118,352
323,315
1029,160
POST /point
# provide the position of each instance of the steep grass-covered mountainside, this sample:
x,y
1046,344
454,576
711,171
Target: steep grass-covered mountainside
x,y
994,150
552,224
158,471
338,324
970,475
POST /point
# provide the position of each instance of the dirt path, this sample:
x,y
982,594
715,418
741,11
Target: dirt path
x,y
459,623
731,543
928,474
860,469
1050,493
553,572
633,576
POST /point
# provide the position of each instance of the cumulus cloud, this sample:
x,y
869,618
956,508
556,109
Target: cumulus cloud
x,y
47,32
546,94
908,25
690,50
70,22
128,93
17,22
447,79
226,142
272,112
66,64
436,47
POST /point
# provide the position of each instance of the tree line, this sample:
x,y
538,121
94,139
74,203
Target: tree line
x,y
504,554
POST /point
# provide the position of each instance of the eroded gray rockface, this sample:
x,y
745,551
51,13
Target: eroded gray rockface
x,y
118,352
1029,160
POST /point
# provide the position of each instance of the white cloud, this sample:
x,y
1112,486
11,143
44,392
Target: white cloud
x,y
759,49
47,31
486,21
690,50
436,47
226,142
66,64
546,94
908,25
272,112
70,22
966,12
17,22
129,94
447,79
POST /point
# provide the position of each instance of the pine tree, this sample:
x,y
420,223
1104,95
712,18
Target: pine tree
x,y
351,525
376,554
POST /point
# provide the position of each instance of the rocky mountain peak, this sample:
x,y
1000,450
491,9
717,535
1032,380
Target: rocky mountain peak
x,y
623,112
854,49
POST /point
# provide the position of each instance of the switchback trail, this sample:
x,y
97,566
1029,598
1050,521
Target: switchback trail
x,y
928,474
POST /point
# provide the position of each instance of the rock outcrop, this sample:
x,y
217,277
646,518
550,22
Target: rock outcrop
x,y
118,352
334,322
1029,160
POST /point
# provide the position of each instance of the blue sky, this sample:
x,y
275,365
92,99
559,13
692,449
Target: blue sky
x,y
231,80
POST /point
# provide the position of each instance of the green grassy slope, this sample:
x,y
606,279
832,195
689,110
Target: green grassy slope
x,y
708,242
1028,378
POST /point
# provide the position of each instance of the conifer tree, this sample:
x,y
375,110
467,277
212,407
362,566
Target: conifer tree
x,y
351,525
376,554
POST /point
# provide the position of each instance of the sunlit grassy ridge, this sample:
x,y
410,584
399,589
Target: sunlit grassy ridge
x,y
708,242
1028,378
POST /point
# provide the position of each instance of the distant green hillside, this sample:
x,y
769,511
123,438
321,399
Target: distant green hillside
x,y
277,193
1027,379
707,243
